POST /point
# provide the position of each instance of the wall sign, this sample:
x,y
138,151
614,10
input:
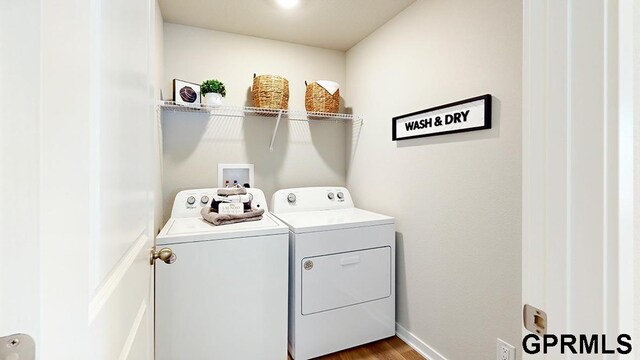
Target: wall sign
x,y
460,116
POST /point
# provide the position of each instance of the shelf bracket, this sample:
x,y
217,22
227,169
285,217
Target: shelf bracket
x,y
275,131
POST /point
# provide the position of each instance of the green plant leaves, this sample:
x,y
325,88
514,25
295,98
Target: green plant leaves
x,y
213,86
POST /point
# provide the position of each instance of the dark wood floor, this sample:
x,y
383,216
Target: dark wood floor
x,y
387,349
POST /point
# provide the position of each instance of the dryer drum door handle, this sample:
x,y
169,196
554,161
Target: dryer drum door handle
x,y
350,260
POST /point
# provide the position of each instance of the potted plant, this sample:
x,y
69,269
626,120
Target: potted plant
x,y
213,91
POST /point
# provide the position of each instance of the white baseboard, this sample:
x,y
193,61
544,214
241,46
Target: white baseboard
x,y
418,345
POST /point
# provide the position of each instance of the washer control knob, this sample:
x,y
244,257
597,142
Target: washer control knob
x,y
330,196
340,195
291,198
204,199
191,200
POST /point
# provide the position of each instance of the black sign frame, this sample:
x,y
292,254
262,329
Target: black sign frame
x,y
486,125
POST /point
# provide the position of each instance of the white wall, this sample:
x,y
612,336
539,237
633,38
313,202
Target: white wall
x,y
628,67
456,198
636,163
304,155
19,175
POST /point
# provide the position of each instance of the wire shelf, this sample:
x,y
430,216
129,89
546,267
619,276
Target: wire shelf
x,y
242,111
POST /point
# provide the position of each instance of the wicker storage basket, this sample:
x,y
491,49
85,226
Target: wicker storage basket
x,y
270,92
320,100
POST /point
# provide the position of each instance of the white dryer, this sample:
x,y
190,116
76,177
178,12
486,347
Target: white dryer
x,y
225,296
341,271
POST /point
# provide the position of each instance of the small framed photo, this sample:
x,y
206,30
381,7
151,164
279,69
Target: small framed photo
x,y
186,93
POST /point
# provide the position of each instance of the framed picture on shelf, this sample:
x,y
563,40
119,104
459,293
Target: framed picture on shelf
x,y
186,93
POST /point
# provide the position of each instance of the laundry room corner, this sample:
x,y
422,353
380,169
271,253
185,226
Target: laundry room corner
x,y
319,179
456,198
304,153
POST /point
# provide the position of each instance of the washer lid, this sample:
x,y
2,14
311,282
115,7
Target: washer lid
x,y
309,221
183,230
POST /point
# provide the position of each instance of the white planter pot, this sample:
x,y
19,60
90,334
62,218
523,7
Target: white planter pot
x,y
213,99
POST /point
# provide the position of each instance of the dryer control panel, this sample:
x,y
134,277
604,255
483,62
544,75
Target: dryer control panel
x,y
188,203
310,199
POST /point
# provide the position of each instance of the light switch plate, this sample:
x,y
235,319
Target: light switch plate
x,y
505,351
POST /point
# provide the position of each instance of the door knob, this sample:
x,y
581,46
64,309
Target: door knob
x,y
164,254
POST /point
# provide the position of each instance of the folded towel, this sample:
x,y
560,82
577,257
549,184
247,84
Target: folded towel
x,y
330,86
232,191
221,219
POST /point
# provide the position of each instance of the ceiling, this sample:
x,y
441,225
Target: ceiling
x,y
331,24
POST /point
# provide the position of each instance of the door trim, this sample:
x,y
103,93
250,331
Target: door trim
x,y
133,333
115,276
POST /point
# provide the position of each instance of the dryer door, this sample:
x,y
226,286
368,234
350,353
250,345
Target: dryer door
x,y
338,280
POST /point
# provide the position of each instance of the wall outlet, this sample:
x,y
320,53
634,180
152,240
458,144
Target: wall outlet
x,y
505,351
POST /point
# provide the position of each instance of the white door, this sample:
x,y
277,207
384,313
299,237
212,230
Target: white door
x,y
76,212
578,167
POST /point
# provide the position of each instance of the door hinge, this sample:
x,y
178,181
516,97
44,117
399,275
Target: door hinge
x,y
17,347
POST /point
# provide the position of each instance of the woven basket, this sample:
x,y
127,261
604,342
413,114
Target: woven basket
x,y
270,92
319,100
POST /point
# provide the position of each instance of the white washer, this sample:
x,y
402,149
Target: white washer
x,y
225,297
341,271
